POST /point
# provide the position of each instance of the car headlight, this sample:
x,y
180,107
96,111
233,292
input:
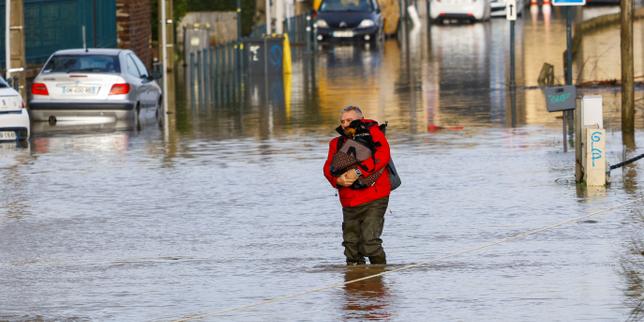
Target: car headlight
x,y
366,23
321,24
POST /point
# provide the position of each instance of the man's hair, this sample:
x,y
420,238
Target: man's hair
x,y
353,108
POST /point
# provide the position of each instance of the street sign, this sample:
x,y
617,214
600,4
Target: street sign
x,y
511,10
568,2
561,98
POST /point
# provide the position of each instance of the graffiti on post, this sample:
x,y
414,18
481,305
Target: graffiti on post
x,y
596,152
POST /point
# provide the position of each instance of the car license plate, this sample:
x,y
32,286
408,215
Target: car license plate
x,y
343,34
7,135
80,90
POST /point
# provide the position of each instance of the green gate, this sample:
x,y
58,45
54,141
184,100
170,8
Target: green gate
x,y
51,25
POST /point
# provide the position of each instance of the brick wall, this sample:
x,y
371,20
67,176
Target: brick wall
x,y
133,28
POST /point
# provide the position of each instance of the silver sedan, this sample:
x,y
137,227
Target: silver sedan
x,y
77,84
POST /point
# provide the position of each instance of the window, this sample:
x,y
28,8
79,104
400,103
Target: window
x,y
82,64
346,5
131,66
140,66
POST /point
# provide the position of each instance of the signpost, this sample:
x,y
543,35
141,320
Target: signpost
x,y
511,15
511,10
567,4
562,98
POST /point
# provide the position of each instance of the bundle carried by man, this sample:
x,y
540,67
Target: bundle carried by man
x,y
356,145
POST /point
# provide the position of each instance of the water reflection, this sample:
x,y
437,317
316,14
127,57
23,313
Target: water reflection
x,y
14,203
598,57
451,76
464,68
632,266
629,175
368,299
44,129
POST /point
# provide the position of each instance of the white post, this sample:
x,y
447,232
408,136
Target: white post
x,y
164,55
413,14
268,17
593,141
7,38
290,8
592,111
279,17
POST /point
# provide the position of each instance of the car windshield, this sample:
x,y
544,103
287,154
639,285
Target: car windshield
x,y
346,5
3,83
83,64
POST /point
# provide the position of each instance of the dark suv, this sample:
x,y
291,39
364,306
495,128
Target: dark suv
x,y
349,20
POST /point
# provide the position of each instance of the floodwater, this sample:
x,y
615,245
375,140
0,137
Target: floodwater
x,y
225,206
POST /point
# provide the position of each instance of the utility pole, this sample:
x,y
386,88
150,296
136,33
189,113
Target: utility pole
x,y
279,17
628,98
169,33
15,43
269,21
166,53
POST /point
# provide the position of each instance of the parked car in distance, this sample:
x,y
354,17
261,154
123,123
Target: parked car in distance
x,y
498,7
14,118
461,10
349,20
84,83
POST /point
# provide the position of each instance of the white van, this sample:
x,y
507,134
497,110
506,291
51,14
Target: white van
x,y
462,10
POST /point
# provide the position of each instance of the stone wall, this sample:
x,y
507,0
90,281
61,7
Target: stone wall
x,y
221,26
134,28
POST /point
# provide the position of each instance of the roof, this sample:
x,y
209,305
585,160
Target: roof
x,y
90,51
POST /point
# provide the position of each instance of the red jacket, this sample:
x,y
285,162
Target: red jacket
x,y
353,197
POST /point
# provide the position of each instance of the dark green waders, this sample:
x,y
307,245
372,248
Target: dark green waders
x,y
361,229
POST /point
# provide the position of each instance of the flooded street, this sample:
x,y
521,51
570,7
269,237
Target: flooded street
x,y
228,206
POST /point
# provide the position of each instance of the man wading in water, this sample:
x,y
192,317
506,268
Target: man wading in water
x,y
357,167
